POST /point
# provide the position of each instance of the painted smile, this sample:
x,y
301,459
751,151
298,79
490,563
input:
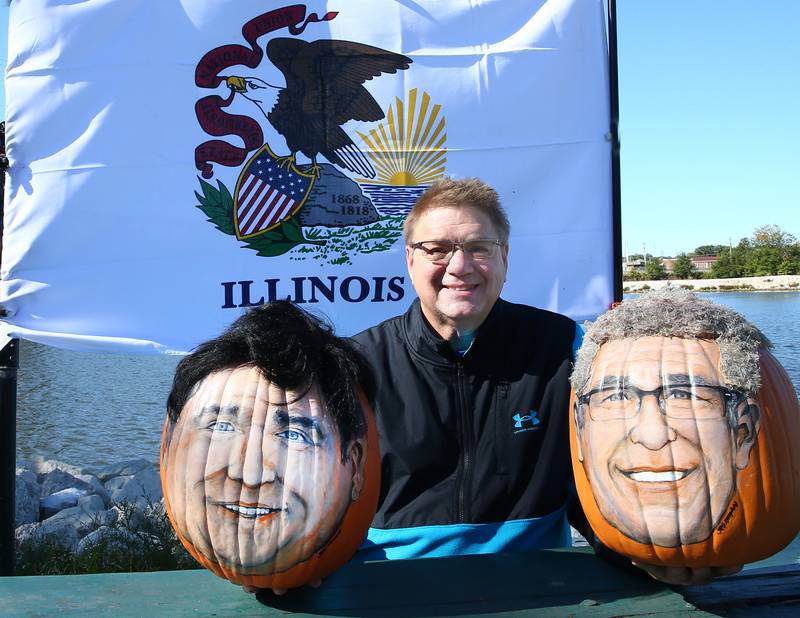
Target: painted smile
x,y
256,511
657,476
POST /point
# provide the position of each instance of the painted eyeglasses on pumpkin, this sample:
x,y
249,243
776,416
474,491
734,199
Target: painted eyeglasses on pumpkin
x,y
677,401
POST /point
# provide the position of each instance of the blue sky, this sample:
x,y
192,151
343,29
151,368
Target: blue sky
x,y
709,120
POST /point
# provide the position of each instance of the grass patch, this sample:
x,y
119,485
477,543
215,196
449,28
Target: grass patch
x,y
730,288
145,542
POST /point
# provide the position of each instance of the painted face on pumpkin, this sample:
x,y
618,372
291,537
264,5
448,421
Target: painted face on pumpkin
x,y
662,438
257,473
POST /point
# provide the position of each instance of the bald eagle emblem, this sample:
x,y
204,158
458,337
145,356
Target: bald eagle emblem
x,y
321,172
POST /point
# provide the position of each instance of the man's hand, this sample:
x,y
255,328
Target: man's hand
x,y
685,576
278,591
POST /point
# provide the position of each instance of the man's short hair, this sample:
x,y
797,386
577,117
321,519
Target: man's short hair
x,y
294,350
455,193
675,312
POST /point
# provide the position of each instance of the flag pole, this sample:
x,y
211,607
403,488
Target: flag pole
x,y
9,361
616,191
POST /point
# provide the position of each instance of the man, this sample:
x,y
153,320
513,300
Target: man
x,y
666,415
472,394
472,398
264,451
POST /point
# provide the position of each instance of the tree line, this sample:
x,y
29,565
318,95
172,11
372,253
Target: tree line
x,y
769,251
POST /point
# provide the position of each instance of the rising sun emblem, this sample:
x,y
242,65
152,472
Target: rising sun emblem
x,y
408,149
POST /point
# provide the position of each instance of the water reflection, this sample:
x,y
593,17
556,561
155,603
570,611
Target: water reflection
x,y
90,409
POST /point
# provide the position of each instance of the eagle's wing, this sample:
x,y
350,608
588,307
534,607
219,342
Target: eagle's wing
x,y
282,52
326,78
333,72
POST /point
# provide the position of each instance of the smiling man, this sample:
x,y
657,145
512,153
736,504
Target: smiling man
x,y
472,394
264,452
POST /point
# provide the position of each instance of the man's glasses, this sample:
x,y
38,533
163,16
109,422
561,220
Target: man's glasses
x,y
440,251
677,401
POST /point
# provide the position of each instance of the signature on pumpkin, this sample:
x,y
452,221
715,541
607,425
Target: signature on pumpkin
x,y
728,517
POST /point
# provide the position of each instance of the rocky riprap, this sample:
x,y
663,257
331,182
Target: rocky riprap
x,y
60,504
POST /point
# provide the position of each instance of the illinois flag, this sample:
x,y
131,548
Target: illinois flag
x,y
174,163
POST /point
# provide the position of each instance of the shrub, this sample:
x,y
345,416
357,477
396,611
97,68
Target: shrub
x,y
145,542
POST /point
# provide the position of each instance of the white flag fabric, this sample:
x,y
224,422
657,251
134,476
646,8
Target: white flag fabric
x,y
176,162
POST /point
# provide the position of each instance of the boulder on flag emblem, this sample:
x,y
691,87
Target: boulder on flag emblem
x,y
268,193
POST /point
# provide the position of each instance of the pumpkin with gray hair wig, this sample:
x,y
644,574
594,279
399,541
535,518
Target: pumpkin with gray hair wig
x,y
683,432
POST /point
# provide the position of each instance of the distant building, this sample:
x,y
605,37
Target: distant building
x,y
629,266
702,263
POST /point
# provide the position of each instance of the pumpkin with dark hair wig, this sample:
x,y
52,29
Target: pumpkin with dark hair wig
x,y
269,457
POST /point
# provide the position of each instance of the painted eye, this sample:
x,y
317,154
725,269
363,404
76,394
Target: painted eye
x,y
295,436
616,396
221,427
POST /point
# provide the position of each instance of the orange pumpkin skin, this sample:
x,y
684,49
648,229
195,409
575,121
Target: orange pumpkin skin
x,y
336,551
763,515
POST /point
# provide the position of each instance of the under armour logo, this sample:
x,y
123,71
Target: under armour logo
x,y
526,422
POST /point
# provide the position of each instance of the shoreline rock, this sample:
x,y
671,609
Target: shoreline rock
x,y
61,504
771,283
336,201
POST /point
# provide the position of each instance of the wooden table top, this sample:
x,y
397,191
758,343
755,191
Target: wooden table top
x,y
567,582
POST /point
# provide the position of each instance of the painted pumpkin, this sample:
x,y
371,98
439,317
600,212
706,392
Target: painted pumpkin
x,y
259,485
675,465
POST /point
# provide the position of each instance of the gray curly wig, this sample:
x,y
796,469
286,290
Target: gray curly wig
x,y
675,312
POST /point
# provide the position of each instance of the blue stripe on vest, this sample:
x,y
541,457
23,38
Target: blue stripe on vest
x,y
519,535
580,331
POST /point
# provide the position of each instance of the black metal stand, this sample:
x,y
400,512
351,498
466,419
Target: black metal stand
x,y
9,362
616,190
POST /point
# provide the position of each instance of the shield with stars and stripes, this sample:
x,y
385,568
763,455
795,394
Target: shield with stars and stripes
x,y
268,193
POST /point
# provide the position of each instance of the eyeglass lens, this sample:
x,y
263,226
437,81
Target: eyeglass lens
x,y
680,401
443,250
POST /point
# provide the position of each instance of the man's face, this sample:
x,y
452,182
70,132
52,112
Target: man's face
x,y
458,296
666,474
256,478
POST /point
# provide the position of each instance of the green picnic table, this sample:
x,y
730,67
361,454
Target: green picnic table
x,y
568,582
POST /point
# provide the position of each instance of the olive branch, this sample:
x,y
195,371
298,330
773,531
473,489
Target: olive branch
x,y
217,205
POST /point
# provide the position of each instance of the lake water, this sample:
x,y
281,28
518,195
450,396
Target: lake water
x,y
91,409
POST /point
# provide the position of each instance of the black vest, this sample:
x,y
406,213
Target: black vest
x,y
475,440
